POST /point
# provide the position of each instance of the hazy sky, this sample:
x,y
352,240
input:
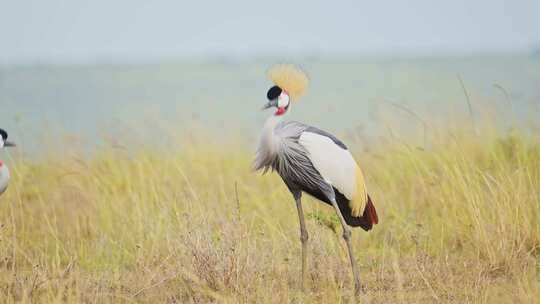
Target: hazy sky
x,y
131,30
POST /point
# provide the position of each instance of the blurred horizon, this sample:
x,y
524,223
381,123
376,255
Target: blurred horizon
x,y
358,99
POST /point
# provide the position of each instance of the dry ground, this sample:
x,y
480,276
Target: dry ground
x,y
459,223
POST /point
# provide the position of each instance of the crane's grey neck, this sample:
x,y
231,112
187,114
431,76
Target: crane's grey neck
x,y
278,146
280,150
268,144
268,138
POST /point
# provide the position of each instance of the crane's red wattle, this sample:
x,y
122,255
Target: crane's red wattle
x,y
280,111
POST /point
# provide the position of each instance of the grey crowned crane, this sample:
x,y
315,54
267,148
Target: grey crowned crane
x,y
4,171
312,161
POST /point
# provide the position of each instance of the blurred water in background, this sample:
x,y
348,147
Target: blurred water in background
x,y
93,102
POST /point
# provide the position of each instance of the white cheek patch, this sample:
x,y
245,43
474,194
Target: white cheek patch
x,y
283,100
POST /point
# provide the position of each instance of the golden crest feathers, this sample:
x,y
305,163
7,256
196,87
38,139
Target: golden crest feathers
x,y
290,78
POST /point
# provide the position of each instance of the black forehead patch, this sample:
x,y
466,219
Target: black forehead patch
x,y
3,134
273,92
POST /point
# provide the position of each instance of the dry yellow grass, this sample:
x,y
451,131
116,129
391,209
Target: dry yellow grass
x,y
460,223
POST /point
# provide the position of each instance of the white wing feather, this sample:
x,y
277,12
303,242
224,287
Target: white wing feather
x,y
335,164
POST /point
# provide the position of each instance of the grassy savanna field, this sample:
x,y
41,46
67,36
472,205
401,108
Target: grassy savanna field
x,y
459,223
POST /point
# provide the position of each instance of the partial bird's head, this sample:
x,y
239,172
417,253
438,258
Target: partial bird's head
x,y
3,139
290,83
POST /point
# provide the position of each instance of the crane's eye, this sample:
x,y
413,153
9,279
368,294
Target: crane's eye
x,y
273,93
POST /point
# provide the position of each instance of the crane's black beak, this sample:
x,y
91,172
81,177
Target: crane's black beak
x,y
9,144
270,104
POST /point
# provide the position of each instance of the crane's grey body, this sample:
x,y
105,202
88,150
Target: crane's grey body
x,y
280,150
4,171
4,177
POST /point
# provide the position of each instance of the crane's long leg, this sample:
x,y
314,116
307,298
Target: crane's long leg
x,y
303,236
347,237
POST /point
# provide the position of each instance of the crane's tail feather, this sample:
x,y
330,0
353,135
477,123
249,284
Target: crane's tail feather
x,y
370,212
367,220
